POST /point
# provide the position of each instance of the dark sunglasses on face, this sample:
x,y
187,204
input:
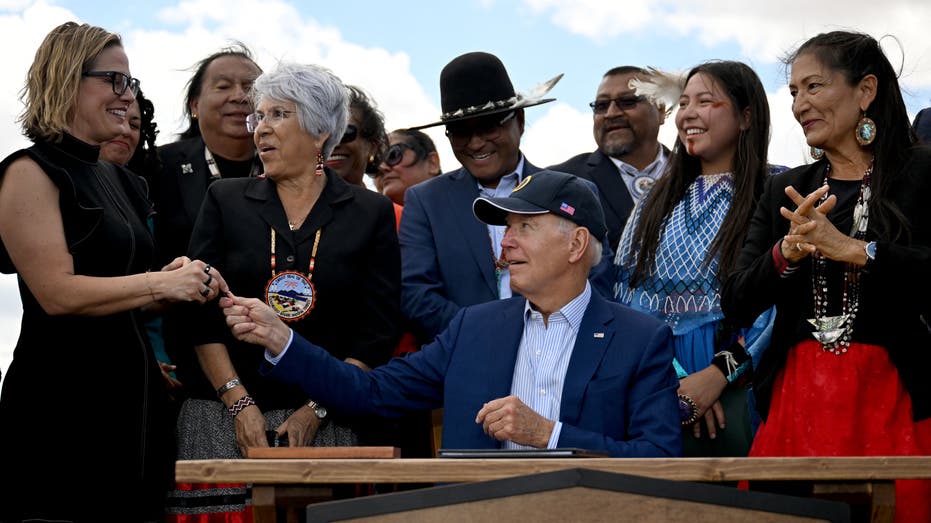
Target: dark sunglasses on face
x,y
352,132
119,81
488,128
395,154
624,104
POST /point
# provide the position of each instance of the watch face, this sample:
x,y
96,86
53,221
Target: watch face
x,y
320,412
871,250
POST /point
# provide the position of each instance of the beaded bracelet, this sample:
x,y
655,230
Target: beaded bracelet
x,y
240,405
688,410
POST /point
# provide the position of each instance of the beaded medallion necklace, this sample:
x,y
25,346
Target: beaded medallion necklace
x,y
834,332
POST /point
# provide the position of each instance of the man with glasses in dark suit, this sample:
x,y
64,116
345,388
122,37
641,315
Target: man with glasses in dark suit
x,y
629,156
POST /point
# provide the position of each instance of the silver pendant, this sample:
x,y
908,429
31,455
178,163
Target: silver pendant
x,y
830,328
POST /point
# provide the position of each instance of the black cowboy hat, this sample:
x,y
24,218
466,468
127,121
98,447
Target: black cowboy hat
x,y
476,84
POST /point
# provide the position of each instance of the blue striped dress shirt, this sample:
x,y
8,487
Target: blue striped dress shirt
x,y
505,185
543,359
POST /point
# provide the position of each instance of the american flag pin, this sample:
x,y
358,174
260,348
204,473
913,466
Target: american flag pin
x,y
187,168
599,335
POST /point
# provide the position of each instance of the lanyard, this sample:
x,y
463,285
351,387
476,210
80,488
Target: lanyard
x,y
313,254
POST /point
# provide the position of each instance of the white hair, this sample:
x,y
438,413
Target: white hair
x,y
320,96
595,249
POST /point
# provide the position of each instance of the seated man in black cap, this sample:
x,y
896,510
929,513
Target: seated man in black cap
x,y
558,367
448,258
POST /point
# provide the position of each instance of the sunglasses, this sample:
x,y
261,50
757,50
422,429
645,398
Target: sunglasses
x,y
119,81
488,128
624,104
395,154
352,132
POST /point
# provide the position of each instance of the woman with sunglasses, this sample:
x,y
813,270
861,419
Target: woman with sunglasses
x,y
84,403
359,150
322,252
411,158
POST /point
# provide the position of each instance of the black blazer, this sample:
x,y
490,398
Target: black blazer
x,y
357,274
615,197
177,195
893,311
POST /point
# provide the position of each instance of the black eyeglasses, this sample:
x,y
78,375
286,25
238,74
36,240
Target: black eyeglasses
x,y
352,132
624,104
119,81
487,128
395,154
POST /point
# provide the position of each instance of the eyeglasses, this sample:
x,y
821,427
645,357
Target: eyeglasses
x,y
395,154
352,132
119,81
488,129
273,117
623,104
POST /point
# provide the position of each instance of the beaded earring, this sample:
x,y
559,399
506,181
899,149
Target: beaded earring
x,y
816,152
319,170
866,131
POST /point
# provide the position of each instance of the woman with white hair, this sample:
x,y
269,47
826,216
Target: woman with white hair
x,y
322,253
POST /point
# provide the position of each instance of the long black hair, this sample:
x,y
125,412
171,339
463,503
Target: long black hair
x,y
371,125
856,55
196,84
746,92
145,157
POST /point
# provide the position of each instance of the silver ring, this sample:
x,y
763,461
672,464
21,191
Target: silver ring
x,y
205,292
207,269
798,246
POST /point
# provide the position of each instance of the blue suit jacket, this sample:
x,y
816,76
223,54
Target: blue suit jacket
x,y
447,261
619,393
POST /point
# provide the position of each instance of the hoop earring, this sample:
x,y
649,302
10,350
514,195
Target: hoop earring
x,y
816,152
866,131
319,170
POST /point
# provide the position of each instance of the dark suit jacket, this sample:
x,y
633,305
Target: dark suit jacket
x,y
893,311
615,197
356,273
447,261
177,196
922,125
619,393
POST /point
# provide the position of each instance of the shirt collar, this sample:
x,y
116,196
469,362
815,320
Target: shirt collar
x,y
572,311
656,164
513,178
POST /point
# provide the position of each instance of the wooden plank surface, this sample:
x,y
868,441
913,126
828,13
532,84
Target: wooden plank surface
x,y
323,452
280,471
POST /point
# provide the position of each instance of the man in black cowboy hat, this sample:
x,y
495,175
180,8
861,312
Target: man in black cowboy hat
x,y
449,259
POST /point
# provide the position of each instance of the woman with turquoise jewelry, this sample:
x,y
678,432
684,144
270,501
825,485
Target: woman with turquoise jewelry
x,y
842,248
683,239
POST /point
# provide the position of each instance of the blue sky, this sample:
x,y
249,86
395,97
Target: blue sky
x,y
395,50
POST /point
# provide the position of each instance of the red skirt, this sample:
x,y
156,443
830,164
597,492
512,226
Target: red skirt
x,y
848,405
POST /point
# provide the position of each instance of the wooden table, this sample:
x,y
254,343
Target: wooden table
x,y
274,478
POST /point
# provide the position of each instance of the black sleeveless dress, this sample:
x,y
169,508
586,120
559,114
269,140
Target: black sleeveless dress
x,y
84,407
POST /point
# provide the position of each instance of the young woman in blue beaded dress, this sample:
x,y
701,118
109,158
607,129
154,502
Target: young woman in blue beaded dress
x,y
683,239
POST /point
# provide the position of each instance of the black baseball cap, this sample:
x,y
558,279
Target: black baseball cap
x,y
559,193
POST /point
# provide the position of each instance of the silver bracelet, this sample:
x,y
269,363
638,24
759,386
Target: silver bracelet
x,y
229,385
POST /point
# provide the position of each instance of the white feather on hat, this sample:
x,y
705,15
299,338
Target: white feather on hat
x,y
660,87
537,92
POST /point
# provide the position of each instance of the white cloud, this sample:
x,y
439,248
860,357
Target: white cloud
x,y
558,134
596,19
764,32
10,312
